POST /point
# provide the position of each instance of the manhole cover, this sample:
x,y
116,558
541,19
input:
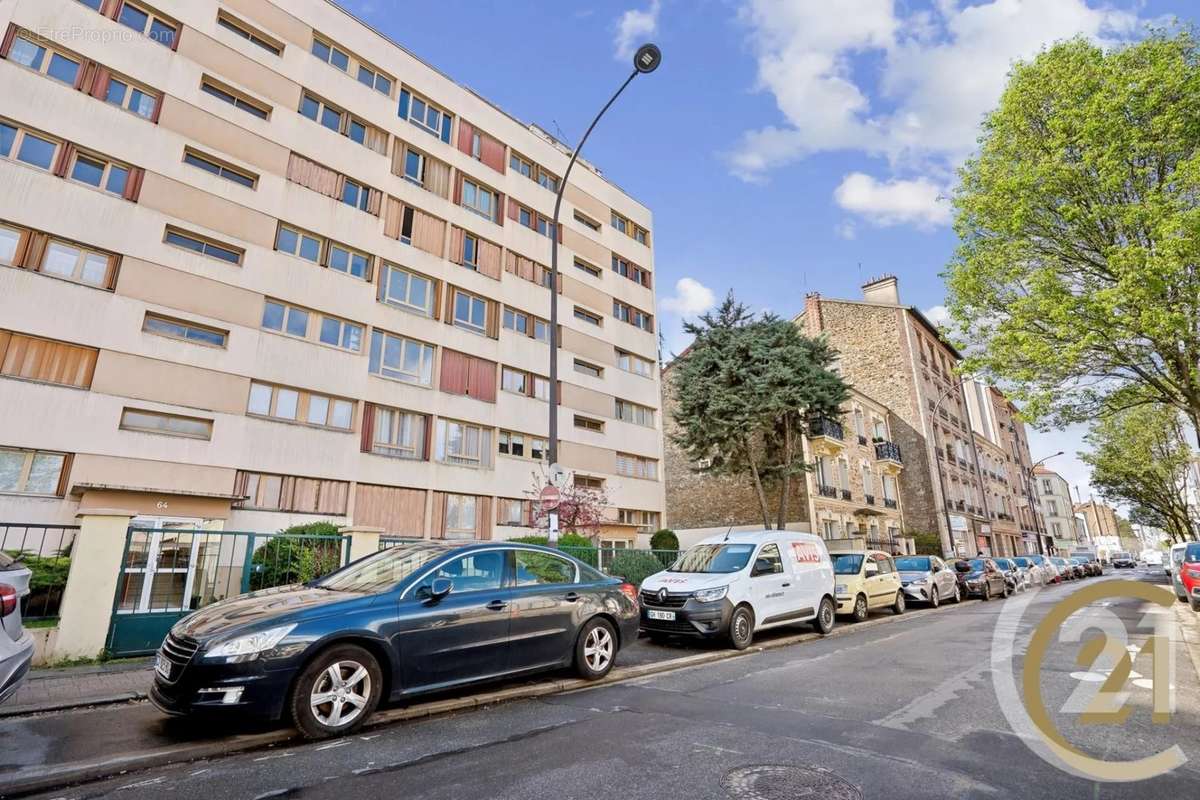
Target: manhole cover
x,y
780,782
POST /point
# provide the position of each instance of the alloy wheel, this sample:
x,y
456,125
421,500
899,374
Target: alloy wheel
x,y
598,648
340,694
934,600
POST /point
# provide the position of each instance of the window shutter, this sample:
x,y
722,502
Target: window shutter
x,y
483,518
527,513
446,123
465,133
63,162
22,248
133,187
448,316
368,427
455,372
86,75
110,8
438,530
100,82
437,299
458,189
393,218
36,251
375,202
493,321
64,475
491,152
178,36
398,156
403,113
481,380
456,245
9,36
512,209
114,262
158,104
428,446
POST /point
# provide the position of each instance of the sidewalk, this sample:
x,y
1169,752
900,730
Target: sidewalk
x,y
67,687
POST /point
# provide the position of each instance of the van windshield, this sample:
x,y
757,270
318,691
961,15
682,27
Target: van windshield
x,y
847,564
713,558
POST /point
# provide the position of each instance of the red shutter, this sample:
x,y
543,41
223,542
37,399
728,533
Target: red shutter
x,y
481,381
558,228
456,245
178,36
458,181
111,8
455,368
158,104
512,209
61,164
133,187
491,152
368,427
99,88
9,36
465,133
86,75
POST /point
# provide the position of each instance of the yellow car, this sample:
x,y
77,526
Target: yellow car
x,y
866,581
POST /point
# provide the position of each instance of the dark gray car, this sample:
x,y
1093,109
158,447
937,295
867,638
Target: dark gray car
x,y
927,579
16,643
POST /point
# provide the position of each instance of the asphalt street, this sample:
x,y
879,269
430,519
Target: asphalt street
x,y
907,709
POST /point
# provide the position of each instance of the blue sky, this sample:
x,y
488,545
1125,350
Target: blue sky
x,y
783,147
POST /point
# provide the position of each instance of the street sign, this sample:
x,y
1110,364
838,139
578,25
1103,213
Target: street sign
x,y
558,476
550,497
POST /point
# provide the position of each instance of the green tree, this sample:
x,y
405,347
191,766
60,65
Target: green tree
x,y
298,555
1139,457
635,566
743,393
664,539
1077,272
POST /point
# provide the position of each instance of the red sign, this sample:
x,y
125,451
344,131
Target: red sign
x,y
550,498
806,553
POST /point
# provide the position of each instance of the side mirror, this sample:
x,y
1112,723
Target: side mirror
x,y
435,591
936,569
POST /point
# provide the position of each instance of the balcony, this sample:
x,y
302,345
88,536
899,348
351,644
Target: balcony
x,y
862,440
826,436
960,505
845,494
888,451
870,498
827,491
889,502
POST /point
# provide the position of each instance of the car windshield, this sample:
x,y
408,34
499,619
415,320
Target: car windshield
x,y
383,570
913,564
847,563
1121,556
1192,554
974,565
1022,562
1079,559
714,558
1004,563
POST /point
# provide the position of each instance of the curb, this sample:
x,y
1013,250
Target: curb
x,y
78,773
1187,620
68,705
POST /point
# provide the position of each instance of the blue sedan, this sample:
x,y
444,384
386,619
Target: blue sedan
x,y
416,618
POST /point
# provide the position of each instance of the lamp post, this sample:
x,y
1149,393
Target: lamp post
x,y
1038,529
645,60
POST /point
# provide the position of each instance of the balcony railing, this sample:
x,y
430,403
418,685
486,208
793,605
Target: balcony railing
x,y
845,494
888,451
821,426
862,440
870,498
960,505
889,502
827,491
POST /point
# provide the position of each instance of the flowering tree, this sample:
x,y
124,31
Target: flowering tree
x,y
580,508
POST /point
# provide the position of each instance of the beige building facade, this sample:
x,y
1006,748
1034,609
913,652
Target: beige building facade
x,y
261,266
1058,509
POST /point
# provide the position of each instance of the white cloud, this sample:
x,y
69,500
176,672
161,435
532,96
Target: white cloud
x,y
845,230
920,202
938,315
691,298
940,71
633,28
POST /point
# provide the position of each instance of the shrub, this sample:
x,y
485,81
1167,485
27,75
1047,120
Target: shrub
x,y
664,539
572,544
46,583
928,544
634,566
290,559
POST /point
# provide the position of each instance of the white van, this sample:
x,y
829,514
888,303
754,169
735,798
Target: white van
x,y
1172,566
1153,558
735,584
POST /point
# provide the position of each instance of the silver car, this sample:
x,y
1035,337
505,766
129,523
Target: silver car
x,y
1035,571
927,579
16,643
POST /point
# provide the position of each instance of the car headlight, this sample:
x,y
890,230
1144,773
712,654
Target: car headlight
x,y
711,595
917,582
248,647
841,588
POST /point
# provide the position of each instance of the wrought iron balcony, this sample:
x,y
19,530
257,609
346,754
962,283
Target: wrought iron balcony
x,y
845,494
827,491
888,451
823,426
862,440
889,502
870,498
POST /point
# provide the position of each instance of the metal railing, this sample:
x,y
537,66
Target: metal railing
x,y
822,426
827,491
889,502
46,551
888,451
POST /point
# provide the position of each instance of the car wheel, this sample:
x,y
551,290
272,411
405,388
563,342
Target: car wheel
x,y
823,624
860,608
595,649
986,594
934,600
741,628
336,692
1007,590
898,606
1195,604
957,594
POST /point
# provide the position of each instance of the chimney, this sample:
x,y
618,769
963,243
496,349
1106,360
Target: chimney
x,y
812,313
884,289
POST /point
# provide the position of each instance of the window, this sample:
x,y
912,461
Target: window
x,y
425,115
510,511
630,229
769,557
219,168
31,471
470,251
203,246
595,272
588,222
633,466
149,23
356,195
619,222
586,316
294,405
402,359
632,412
547,181
589,424
521,445
639,319
46,62
463,444
79,264
239,28
35,150
310,246
123,93
293,242
331,55
10,238
542,569
520,165
541,331
589,369
635,364
399,434
351,262
133,419
333,118
588,481
646,520
414,167
470,312
475,572
234,98
187,331
514,380
479,199
100,173
516,321
374,79
408,290
285,319
339,333
290,493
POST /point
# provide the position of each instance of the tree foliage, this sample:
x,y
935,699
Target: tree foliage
x,y
306,552
744,392
634,566
1139,457
580,508
1077,273
664,539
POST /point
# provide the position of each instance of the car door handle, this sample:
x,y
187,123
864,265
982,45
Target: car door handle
x,y
786,585
497,605
571,597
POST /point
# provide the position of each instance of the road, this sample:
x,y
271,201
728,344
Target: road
x,y
903,710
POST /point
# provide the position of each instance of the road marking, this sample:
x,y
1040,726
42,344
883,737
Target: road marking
x,y
331,745
274,756
716,749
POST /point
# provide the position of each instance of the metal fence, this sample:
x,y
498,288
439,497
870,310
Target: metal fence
x,y
46,551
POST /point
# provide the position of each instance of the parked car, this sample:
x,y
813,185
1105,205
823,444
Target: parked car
x,y
16,643
1173,565
927,579
1090,569
1018,579
741,583
867,581
980,577
1123,560
1153,558
1036,572
1189,574
415,618
1067,569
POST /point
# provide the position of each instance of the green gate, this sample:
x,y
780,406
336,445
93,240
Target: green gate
x,y
167,573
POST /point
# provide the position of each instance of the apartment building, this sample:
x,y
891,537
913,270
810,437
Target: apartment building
x,y
1058,509
851,490
261,266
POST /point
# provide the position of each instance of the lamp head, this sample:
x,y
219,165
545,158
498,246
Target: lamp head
x,y
647,58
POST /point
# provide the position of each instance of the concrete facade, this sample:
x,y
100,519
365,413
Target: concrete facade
x,y
1058,509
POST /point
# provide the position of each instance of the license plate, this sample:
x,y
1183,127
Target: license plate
x,y
163,667
668,616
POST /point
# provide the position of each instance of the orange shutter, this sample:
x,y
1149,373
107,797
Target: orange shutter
x,y
465,133
481,381
48,361
133,186
428,233
10,36
489,258
438,529
63,162
493,319
35,251
100,82
86,75
393,218
491,152
110,8
456,245
368,427
455,372
483,517
374,202
64,475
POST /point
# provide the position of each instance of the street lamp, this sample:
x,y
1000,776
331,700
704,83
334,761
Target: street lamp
x,y
645,60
